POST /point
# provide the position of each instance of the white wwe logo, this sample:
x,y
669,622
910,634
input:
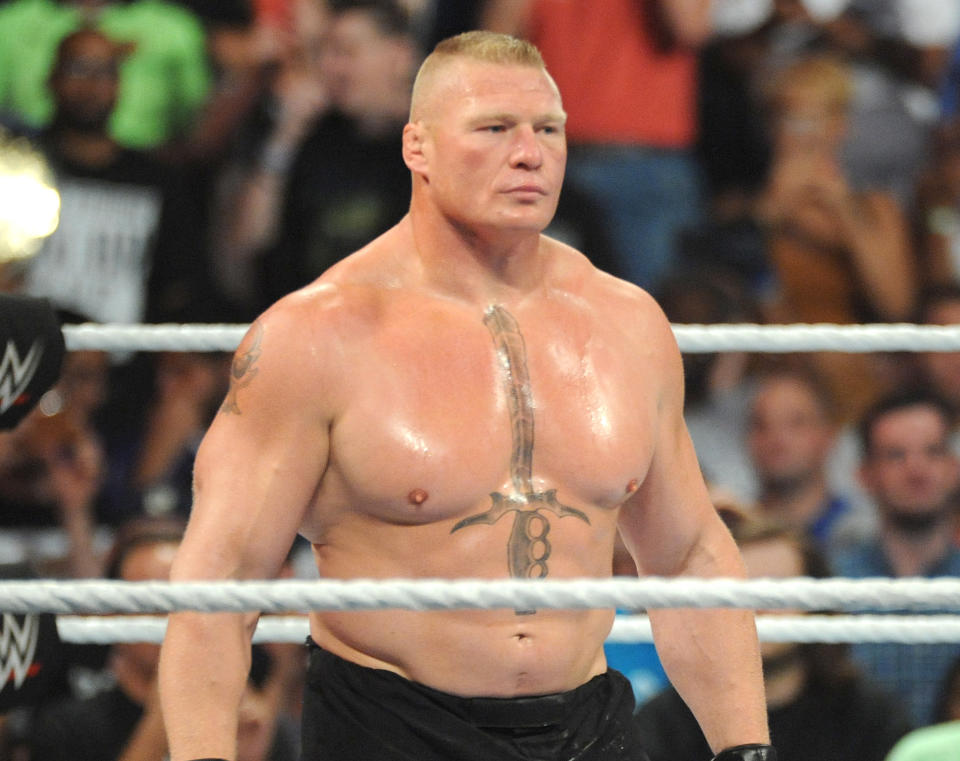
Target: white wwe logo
x,y
18,644
16,374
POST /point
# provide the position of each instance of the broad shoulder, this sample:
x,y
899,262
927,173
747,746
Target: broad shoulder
x,y
298,351
617,302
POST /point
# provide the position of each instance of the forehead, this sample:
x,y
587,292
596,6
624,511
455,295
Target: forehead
x,y
471,87
907,424
89,45
785,392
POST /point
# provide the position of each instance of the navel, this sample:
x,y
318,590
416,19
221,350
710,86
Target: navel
x,y
417,497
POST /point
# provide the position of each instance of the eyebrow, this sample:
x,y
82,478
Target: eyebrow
x,y
550,118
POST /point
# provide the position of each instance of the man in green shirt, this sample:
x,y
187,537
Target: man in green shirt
x,y
163,82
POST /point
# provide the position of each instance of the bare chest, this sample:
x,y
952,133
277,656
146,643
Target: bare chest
x,y
450,417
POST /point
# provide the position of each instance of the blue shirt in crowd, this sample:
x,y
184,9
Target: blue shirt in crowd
x,y
915,673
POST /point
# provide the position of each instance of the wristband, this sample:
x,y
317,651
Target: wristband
x,y
744,753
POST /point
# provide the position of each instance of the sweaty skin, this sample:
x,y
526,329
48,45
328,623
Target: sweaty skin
x,y
492,444
464,397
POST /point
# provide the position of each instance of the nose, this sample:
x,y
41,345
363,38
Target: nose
x,y
527,152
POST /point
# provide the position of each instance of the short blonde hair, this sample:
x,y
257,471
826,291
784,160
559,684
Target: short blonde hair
x,y
823,74
477,45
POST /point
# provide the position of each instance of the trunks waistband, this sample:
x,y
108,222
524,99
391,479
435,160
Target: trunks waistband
x,y
517,712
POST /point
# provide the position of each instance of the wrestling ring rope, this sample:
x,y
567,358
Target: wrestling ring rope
x,y
691,338
942,595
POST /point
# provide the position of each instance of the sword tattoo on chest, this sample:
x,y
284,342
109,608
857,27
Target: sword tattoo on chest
x,y
528,547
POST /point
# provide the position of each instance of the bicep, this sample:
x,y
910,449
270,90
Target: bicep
x,y
664,520
256,472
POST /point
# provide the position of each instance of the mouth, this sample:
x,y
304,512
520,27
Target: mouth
x,y
526,190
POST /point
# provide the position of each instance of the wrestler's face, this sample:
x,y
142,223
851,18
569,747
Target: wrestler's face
x,y
493,148
789,435
910,469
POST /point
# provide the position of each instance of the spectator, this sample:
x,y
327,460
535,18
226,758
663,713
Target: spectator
x,y
911,474
627,72
122,722
892,105
52,471
937,213
717,385
189,388
819,706
251,178
347,181
165,80
938,742
791,435
838,255
123,235
941,306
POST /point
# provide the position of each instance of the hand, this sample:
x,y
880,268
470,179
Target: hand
x,y
301,98
76,472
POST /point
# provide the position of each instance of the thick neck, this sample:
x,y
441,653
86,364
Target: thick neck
x,y
485,266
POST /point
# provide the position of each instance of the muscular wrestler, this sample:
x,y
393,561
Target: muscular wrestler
x,y
463,397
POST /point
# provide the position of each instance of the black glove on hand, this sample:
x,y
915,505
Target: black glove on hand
x,y
748,753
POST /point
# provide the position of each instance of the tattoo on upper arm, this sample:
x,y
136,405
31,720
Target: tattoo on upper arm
x,y
242,372
528,547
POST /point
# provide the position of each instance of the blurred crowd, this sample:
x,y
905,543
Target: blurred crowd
x,y
772,161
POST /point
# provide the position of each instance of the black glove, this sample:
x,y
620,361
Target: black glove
x,y
747,753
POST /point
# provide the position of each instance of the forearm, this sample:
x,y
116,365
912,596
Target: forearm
x,y
712,658
203,673
881,256
79,527
887,277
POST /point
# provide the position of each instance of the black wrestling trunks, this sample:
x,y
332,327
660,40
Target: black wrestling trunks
x,y
352,713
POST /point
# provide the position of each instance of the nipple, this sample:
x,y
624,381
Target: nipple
x,y
633,486
417,497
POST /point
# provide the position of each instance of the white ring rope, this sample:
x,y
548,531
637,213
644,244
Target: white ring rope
x,y
98,596
910,630
691,338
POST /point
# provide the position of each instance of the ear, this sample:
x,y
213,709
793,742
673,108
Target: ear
x,y
414,136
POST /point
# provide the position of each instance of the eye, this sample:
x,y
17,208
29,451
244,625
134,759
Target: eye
x,y
496,128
